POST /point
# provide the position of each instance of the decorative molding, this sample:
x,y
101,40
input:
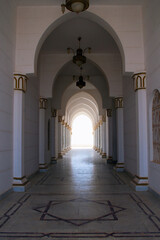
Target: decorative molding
x,y
59,119
54,113
109,112
20,82
43,103
139,80
119,102
104,118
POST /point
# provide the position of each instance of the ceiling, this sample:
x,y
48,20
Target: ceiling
x,y
93,35
92,2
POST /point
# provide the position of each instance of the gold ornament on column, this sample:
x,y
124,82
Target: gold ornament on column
x,y
119,102
54,112
139,80
20,82
109,112
60,119
103,118
43,103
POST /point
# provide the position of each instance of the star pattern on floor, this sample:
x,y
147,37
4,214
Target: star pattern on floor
x,y
79,211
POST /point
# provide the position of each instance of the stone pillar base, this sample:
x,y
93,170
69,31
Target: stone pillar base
x,y
20,184
140,183
60,155
53,160
110,160
43,167
104,155
119,167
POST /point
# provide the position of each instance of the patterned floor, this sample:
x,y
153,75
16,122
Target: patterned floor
x,y
80,197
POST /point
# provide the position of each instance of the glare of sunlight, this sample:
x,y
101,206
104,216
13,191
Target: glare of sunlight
x,y
82,132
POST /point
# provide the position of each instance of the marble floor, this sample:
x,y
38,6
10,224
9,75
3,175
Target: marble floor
x,y
80,197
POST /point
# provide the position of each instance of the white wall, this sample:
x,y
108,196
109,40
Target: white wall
x,y
151,23
7,51
31,131
130,153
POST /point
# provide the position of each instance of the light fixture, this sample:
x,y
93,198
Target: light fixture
x,y
79,58
80,83
75,5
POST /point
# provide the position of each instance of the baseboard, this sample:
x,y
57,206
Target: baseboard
x,y
5,194
156,194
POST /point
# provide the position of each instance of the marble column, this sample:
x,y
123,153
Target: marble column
x,y
104,144
140,181
110,136
20,181
60,126
42,129
120,134
53,136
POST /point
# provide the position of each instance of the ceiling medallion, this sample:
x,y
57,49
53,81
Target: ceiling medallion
x,y
80,83
76,6
79,58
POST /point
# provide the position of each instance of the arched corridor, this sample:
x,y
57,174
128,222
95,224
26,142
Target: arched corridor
x,y
55,67
80,197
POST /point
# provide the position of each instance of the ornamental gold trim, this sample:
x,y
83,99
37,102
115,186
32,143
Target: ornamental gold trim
x,y
59,119
20,82
118,102
43,103
109,112
139,80
54,113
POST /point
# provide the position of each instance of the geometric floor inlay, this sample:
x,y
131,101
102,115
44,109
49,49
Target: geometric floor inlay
x,y
80,211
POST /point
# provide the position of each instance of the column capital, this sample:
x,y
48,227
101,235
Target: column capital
x,y
119,102
20,82
54,113
103,118
43,103
139,80
59,119
109,112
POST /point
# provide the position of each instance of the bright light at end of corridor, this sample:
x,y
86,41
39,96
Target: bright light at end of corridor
x,y
82,132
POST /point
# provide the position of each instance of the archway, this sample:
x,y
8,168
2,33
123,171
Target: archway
x,y
82,132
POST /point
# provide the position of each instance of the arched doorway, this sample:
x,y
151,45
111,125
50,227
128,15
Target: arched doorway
x,y
82,132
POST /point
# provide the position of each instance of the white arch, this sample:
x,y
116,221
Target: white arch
x,y
81,102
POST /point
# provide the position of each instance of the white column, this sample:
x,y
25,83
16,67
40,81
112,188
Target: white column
x,y
101,137
120,134
110,136
104,136
53,136
141,179
63,137
60,137
42,112
98,138
19,179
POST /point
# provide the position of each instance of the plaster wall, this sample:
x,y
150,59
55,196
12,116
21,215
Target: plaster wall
x,y
151,24
34,23
31,126
7,54
130,153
